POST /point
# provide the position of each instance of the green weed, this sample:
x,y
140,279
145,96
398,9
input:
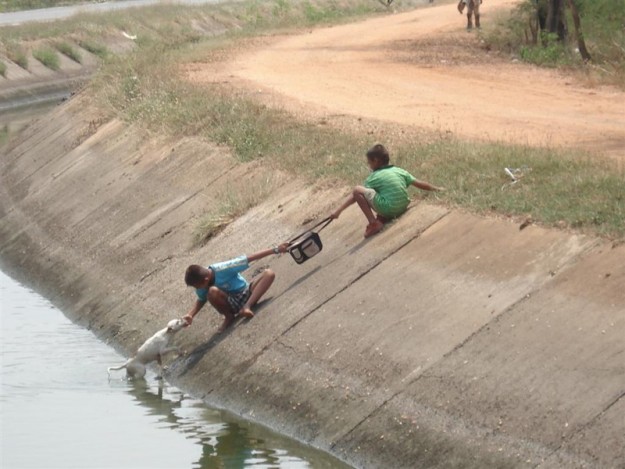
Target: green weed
x,y
552,53
47,57
68,50
95,48
281,8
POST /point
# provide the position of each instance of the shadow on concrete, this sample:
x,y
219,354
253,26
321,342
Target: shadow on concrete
x,y
183,365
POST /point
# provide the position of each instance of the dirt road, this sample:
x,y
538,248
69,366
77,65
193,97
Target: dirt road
x,y
423,69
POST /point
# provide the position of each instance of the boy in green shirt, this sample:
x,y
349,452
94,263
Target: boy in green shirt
x,y
385,191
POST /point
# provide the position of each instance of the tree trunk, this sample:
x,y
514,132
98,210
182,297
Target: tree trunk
x,y
555,18
581,44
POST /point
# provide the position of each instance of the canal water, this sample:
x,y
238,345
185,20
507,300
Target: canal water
x,y
58,409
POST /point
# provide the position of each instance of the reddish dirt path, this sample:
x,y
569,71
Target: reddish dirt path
x,y
413,69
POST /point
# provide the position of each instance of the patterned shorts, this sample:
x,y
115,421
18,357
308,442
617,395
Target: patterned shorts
x,y
370,195
237,300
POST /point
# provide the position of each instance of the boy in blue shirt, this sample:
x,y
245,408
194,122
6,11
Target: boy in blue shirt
x,y
223,286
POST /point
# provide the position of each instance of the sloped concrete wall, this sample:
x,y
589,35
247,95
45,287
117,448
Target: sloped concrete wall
x,y
449,340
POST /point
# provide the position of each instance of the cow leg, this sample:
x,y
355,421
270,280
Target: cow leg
x,y
469,23
477,21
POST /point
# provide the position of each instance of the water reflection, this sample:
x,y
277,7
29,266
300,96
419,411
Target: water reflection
x,y
224,444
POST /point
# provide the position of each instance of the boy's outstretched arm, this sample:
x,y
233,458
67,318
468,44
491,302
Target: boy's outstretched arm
x,y
426,186
196,309
282,248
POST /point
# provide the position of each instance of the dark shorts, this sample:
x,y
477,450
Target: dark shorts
x,y
237,300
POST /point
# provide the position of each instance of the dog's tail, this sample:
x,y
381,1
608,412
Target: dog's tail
x,y
120,367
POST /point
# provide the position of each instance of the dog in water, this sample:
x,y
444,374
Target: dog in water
x,y
152,350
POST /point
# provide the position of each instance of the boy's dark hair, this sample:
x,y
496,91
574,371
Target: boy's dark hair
x,y
193,275
380,153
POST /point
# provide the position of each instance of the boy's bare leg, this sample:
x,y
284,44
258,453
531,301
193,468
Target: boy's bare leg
x,y
363,203
219,300
358,196
258,288
349,201
375,225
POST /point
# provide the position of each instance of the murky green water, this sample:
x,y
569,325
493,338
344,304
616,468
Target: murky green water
x,y
58,408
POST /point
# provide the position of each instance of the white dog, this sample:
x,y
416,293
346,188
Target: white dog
x,y
152,349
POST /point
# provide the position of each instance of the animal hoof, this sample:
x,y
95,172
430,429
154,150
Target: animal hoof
x,y
158,378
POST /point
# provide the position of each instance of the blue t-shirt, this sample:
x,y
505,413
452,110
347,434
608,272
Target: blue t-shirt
x,y
227,277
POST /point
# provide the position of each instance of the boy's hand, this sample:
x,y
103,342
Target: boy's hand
x,y
335,215
188,319
284,247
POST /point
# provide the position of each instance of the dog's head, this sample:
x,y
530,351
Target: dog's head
x,y
175,325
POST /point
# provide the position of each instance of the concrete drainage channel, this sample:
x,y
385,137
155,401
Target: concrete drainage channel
x,y
23,102
448,340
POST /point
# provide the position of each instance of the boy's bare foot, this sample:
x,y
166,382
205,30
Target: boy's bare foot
x,y
373,228
246,313
228,320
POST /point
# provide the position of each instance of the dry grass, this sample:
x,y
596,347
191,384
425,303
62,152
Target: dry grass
x,y
145,87
16,53
231,203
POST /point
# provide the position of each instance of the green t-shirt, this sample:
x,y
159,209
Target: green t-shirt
x,y
390,184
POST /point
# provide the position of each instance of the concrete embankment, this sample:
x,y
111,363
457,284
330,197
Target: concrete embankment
x,y
449,340
21,88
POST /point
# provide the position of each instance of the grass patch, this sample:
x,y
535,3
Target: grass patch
x,y
551,54
603,26
68,50
558,189
47,57
16,54
231,204
3,69
96,48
